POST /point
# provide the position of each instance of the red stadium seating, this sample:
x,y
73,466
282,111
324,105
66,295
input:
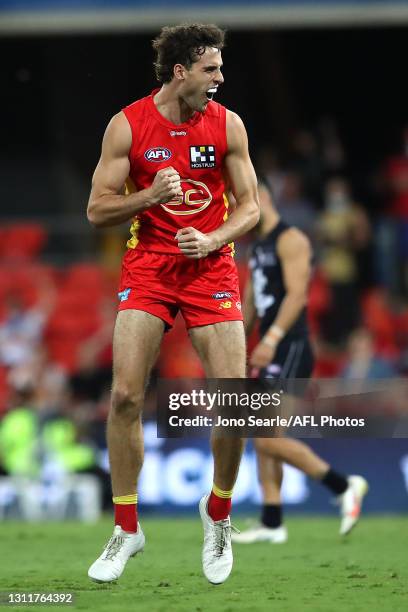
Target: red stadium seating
x,y
378,318
22,241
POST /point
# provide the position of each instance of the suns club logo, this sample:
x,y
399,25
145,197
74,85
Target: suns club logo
x,y
157,154
196,197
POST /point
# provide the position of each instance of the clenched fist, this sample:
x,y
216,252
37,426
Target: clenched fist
x,y
166,186
262,355
194,244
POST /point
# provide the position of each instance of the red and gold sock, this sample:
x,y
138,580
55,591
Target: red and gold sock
x,y
219,503
126,512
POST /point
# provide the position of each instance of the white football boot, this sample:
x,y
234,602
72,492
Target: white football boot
x,y
350,503
217,551
122,545
260,533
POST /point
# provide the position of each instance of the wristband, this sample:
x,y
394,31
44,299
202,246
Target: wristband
x,y
277,331
273,336
269,342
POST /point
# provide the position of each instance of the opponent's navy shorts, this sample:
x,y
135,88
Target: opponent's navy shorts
x,y
293,360
205,291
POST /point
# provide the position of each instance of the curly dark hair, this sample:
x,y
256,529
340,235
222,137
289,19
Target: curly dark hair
x,y
184,44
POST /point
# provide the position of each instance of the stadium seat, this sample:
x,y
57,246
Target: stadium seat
x,y
378,318
318,301
86,276
23,241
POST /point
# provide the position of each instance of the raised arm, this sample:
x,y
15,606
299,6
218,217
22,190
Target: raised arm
x,y
107,204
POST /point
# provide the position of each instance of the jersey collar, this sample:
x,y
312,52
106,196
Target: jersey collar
x,y
174,126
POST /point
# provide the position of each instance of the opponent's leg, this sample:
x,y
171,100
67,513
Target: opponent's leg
x,y
270,528
350,491
295,453
270,476
136,343
221,348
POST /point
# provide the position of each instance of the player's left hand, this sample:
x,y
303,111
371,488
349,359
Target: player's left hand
x,y
193,243
262,355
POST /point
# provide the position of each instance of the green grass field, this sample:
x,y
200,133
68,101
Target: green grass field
x,y
314,571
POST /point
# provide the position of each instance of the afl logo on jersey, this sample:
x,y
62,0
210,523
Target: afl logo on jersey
x,y
196,197
157,154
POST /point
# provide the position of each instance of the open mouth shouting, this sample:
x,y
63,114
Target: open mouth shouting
x,y
211,92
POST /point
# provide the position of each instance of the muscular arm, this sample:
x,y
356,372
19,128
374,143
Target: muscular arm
x,y
243,185
107,205
241,180
294,252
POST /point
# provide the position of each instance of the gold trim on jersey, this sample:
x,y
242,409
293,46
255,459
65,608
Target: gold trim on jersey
x,y
135,227
225,217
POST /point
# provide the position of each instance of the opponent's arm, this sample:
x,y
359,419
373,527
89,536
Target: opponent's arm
x,y
107,205
243,184
294,253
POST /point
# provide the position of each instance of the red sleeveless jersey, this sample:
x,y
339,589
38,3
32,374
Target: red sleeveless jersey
x,y
196,149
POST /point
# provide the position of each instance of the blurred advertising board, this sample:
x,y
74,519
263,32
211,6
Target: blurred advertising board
x,y
177,472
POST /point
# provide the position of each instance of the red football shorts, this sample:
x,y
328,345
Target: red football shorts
x,y
206,290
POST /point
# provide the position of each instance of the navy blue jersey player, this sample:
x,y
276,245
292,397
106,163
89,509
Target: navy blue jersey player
x,y
276,295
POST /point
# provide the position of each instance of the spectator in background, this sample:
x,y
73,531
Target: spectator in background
x,y
345,229
20,332
94,369
307,162
45,381
394,234
22,329
332,151
293,206
42,448
270,168
396,174
363,360
35,430
344,233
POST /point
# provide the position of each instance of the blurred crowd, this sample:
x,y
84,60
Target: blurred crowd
x,y
56,323
358,306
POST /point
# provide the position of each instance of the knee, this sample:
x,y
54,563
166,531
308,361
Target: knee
x,y
126,403
267,446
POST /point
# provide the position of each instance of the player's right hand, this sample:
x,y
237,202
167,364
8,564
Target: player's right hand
x,y
166,186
